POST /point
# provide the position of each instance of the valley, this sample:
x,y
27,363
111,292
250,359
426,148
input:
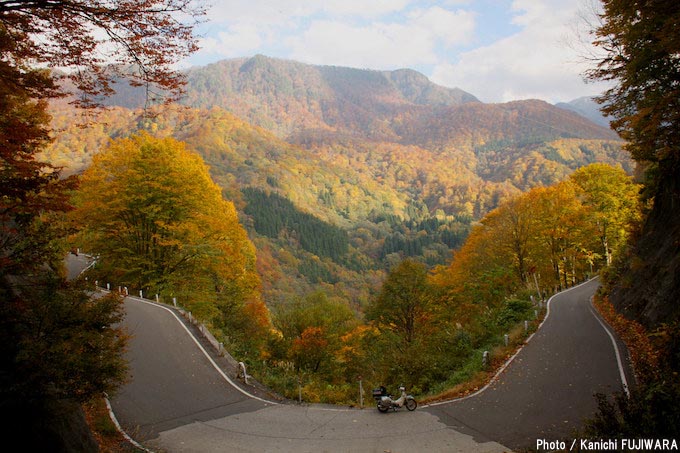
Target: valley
x,y
403,166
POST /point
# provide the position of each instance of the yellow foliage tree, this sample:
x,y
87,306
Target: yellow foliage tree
x,y
613,199
556,234
151,211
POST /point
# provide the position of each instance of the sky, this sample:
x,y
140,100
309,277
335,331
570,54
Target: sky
x,y
497,50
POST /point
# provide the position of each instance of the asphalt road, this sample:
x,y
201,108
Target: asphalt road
x,y
548,388
176,400
172,381
76,264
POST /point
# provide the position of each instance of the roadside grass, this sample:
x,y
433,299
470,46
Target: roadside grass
x,y
473,375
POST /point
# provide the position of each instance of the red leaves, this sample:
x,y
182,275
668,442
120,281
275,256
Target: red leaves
x,y
309,350
140,39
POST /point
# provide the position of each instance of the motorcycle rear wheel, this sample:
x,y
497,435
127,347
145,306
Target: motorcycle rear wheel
x,y
383,409
411,404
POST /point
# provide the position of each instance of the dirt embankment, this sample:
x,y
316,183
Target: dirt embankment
x,y
649,290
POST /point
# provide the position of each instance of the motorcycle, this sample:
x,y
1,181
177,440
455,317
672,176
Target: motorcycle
x,y
386,402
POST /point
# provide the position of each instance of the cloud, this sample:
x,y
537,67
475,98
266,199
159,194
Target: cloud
x,y
379,34
452,28
267,12
535,62
375,46
237,28
373,8
383,45
238,40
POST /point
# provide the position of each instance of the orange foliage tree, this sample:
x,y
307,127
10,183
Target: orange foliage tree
x,y
310,348
159,223
556,234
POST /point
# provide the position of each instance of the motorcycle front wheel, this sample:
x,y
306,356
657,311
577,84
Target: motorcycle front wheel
x,y
411,404
383,409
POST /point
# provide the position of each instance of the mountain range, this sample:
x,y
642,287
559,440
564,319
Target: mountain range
x,y
391,163
291,98
587,107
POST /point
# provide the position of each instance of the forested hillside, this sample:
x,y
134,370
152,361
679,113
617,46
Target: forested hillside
x,y
287,97
387,163
290,98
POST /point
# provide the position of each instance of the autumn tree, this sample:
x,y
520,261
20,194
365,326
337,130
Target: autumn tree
x,y
309,350
404,316
58,347
28,187
562,232
514,221
54,337
475,276
158,222
403,302
311,328
613,203
556,234
98,41
641,46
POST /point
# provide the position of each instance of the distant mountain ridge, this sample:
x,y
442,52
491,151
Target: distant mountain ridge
x,y
586,107
311,81
288,97
291,98
399,125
